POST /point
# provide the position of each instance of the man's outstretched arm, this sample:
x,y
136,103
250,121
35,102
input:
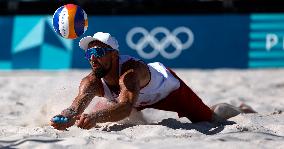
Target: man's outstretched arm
x,y
88,89
129,85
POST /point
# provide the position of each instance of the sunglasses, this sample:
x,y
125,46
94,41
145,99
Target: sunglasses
x,y
97,52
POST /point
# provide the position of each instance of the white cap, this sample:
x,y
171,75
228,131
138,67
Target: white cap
x,y
105,38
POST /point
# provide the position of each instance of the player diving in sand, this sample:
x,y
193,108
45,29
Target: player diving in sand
x,y
127,82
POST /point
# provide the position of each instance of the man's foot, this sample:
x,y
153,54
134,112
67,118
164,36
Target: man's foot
x,y
225,111
246,108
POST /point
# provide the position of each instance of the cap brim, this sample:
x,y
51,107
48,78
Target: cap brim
x,y
83,44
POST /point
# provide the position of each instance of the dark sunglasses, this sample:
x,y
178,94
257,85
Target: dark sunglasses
x,y
97,52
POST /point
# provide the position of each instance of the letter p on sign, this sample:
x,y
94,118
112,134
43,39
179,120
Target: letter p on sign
x,y
271,41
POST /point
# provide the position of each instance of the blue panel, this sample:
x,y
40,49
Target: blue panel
x,y
6,65
78,60
265,17
266,54
28,59
52,38
27,26
6,25
54,58
267,26
266,41
265,64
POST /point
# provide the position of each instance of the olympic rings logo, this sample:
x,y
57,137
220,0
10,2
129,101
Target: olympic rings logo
x,y
159,46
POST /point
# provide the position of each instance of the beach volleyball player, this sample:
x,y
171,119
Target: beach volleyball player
x,y
128,83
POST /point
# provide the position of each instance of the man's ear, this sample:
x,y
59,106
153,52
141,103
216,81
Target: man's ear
x,y
115,53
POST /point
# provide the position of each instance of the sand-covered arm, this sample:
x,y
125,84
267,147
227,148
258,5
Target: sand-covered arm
x,y
129,85
89,87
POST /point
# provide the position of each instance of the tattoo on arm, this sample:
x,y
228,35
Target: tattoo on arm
x,y
81,102
69,112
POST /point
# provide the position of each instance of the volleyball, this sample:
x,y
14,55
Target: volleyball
x,y
70,21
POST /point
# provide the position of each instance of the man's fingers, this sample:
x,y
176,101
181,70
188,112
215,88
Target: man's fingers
x,y
78,117
89,126
81,121
55,125
60,126
86,122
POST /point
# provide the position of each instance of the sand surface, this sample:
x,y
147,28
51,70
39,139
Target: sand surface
x,y
28,100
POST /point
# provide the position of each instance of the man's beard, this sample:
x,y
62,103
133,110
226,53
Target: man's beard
x,y
101,72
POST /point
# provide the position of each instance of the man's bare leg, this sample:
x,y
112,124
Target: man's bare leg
x,y
224,111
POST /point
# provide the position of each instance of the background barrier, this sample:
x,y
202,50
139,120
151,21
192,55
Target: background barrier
x,y
193,41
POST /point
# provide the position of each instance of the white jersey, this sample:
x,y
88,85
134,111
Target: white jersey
x,y
162,83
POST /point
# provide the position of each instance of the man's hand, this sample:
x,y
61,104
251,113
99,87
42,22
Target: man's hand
x,y
87,121
63,126
67,113
90,87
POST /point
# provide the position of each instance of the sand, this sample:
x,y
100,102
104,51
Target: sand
x,y
28,99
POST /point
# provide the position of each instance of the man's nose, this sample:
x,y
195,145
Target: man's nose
x,y
93,58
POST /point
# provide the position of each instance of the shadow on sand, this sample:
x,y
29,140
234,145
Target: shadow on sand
x,y
202,127
13,143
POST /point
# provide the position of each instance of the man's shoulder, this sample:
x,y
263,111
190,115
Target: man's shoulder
x,y
90,78
92,84
133,64
139,68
